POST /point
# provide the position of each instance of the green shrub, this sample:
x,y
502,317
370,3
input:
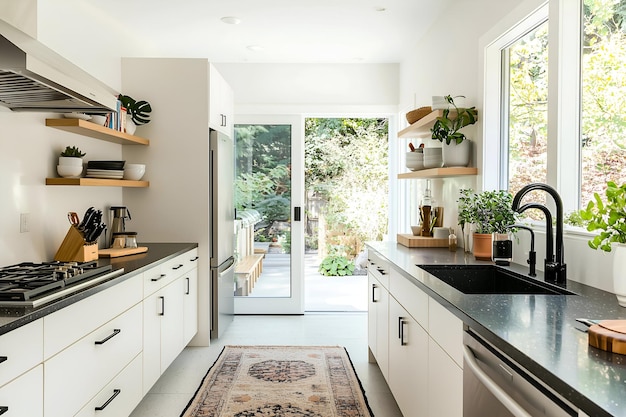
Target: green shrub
x,y
334,265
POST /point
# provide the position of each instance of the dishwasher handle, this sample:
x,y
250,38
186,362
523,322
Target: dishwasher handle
x,y
506,400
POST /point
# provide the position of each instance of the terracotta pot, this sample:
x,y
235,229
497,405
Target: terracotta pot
x,y
483,244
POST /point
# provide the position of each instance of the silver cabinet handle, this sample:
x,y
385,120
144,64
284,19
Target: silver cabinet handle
x,y
506,400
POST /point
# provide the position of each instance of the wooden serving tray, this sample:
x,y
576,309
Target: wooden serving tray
x,y
411,241
609,335
114,253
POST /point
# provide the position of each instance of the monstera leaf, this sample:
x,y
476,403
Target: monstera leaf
x,y
138,110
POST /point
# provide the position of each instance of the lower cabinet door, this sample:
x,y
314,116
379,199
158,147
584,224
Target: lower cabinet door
x,y
171,322
76,374
23,397
120,397
445,383
408,362
190,296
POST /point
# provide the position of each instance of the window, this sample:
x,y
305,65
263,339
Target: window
x,y
603,116
525,104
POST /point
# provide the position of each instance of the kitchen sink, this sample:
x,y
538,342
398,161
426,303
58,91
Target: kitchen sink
x,y
491,279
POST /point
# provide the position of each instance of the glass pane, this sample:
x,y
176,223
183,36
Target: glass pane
x,y
526,104
263,203
603,125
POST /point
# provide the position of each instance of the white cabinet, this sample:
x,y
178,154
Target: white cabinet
x,y
16,356
120,397
170,314
23,396
77,373
408,362
221,103
421,351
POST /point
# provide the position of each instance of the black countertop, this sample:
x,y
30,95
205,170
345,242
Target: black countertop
x,y
14,317
540,332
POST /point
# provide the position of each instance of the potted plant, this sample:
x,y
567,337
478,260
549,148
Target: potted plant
x,y
491,213
70,162
137,112
609,218
456,146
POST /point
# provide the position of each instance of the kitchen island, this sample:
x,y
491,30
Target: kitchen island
x,y
540,332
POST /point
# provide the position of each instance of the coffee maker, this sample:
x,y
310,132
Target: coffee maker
x,y
119,215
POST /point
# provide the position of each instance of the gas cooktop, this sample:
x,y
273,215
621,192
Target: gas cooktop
x,y
32,284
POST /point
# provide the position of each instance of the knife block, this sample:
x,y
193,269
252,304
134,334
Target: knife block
x,y
73,248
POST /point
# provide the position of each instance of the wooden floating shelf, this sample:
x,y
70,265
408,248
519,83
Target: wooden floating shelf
x,y
421,128
97,182
85,128
439,173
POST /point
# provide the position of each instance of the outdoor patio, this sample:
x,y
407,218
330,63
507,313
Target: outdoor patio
x,y
321,293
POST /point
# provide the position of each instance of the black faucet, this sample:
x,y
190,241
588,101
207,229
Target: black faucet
x,y
532,255
554,266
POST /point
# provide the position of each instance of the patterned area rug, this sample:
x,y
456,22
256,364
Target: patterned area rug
x,y
280,381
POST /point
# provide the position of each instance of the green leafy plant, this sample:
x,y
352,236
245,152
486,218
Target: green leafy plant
x,y
447,126
608,216
138,110
490,211
72,152
336,265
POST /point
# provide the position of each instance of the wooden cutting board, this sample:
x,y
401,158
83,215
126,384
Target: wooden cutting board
x,y
609,335
114,253
411,241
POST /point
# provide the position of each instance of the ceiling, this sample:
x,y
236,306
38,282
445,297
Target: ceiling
x,y
278,31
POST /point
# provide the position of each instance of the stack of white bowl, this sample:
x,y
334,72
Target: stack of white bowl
x,y
432,158
415,160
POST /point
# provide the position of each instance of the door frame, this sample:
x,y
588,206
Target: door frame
x,y
295,303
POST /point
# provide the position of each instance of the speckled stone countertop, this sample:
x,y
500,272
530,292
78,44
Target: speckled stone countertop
x,y
14,317
540,332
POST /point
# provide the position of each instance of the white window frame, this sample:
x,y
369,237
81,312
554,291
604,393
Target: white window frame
x,y
564,17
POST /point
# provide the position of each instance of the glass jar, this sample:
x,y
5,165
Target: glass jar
x,y
119,241
131,239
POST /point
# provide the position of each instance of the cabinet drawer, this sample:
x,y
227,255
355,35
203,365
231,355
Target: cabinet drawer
x,y
379,268
414,300
120,396
79,372
24,396
447,330
190,260
20,350
152,280
173,269
66,326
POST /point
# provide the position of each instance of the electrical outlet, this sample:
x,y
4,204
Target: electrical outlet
x,y
24,222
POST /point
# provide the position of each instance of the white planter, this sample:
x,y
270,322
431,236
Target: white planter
x,y
130,125
70,160
457,155
619,273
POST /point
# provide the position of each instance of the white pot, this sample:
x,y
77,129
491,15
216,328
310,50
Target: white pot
x,y
619,273
70,160
130,125
457,155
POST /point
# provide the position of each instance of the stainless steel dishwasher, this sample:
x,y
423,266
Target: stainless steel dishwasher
x,y
495,386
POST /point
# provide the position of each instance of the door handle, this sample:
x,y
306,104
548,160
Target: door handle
x,y
401,323
374,300
297,214
188,286
162,313
116,392
109,337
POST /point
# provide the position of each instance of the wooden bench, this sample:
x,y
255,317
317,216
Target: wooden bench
x,y
247,272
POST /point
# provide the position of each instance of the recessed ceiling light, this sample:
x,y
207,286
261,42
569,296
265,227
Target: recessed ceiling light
x,y
231,20
255,48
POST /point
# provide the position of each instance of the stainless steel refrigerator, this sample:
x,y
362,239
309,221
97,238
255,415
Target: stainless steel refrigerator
x,y
222,232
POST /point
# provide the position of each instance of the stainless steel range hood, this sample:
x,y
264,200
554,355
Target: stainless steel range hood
x,y
35,78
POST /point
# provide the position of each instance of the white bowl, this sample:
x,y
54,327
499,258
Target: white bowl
x,y
432,163
76,115
415,165
134,172
70,171
98,119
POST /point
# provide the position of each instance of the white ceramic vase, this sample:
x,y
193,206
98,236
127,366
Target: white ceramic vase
x,y
619,273
457,155
130,125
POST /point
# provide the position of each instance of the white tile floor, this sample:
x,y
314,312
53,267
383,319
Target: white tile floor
x,y
179,382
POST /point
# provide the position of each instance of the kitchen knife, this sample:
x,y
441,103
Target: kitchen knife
x,y
86,218
95,233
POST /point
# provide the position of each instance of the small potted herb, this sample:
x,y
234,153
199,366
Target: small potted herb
x,y
137,112
70,162
608,217
456,149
